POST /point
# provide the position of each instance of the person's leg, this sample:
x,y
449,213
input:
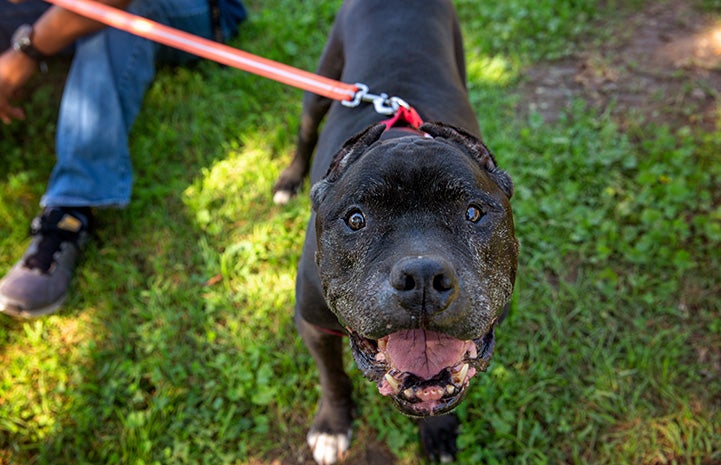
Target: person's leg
x,y
13,15
103,94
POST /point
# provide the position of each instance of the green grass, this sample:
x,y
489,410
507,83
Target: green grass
x,y
176,344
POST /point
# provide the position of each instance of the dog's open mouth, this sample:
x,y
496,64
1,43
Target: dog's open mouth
x,y
424,372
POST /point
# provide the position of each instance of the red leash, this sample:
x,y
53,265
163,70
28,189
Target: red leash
x,y
205,48
349,95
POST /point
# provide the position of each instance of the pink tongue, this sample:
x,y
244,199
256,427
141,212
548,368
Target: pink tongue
x,y
423,353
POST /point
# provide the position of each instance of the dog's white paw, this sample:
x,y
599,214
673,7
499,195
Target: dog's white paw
x,y
282,197
328,448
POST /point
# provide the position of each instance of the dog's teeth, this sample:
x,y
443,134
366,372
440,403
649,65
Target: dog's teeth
x,y
380,357
460,376
382,342
450,389
393,383
409,393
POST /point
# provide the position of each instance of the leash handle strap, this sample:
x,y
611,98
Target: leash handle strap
x,y
205,48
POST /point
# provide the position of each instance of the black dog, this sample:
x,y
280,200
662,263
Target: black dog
x,y
410,250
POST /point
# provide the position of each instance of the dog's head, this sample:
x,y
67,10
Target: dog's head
x,y
417,258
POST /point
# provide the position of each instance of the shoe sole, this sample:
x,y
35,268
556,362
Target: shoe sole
x,y
12,310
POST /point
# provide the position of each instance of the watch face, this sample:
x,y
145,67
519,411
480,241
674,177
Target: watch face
x,y
22,41
22,37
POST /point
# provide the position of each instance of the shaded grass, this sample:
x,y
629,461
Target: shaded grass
x,y
176,344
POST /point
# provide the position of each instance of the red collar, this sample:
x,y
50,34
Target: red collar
x,y
404,117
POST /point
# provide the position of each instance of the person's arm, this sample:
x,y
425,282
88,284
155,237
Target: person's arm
x,y
56,29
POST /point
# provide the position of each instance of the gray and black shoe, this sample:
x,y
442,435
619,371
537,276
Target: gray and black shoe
x,y
38,283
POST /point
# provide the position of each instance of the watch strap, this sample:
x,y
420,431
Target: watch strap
x,y
23,42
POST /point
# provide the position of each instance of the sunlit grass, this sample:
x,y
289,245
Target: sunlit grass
x,y
496,70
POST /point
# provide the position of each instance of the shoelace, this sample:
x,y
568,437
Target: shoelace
x,y
55,228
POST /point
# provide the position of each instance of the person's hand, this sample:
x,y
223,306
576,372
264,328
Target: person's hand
x,y
15,70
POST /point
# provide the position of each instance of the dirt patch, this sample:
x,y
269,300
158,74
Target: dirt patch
x,y
659,65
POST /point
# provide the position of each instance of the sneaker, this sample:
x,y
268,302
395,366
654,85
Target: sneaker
x,y
38,283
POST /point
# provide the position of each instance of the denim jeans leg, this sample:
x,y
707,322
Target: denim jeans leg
x,y
103,95
93,161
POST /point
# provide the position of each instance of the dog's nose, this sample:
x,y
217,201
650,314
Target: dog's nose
x,y
425,284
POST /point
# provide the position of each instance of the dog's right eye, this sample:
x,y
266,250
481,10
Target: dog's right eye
x,y
474,213
355,219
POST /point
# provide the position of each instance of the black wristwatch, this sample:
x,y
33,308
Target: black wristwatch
x,y
22,41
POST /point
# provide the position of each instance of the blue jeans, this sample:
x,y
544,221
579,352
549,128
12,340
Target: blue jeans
x,y
104,91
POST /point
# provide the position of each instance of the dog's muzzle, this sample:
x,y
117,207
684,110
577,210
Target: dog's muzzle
x,y
424,372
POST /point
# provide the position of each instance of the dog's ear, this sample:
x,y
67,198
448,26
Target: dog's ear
x,y
475,148
350,152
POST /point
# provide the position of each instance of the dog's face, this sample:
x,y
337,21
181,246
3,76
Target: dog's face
x,y
417,259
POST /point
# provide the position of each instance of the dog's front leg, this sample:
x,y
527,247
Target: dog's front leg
x,y
438,437
329,436
291,179
315,108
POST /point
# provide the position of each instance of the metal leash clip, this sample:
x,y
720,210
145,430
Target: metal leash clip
x,y
383,104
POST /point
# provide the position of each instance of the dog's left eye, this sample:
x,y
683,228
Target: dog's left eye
x,y
474,213
355,219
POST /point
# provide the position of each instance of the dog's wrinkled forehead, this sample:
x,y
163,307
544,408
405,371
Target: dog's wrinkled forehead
x,y
412,165
444,138
358,144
